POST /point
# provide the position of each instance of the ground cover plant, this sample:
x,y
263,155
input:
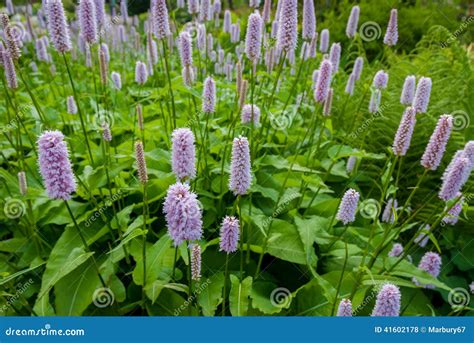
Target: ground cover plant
x,y
278,158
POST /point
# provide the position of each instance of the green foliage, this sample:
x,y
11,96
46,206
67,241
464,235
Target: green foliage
x,y
293,251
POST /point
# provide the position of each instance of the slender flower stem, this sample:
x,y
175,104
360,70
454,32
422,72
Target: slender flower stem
x,y
226,277
372,231
145,210
169,83
175,259
340,279
79,110
84,242
190,276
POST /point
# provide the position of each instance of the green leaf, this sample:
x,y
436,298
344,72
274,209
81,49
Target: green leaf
x,y
12,245
154,259
309,300
285,243
268,298
239,295
74,292
17,274
67,254
210,295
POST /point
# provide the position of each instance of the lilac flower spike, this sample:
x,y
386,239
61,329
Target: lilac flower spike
x,y
350,84
351,162
455,178
106,133
193,6
88,21
183,154
183,214
375,100
117,80
452,216
324,81
324,41
402,140
352,22
100,12
205,10
253,39
227,21
195,262
408,92
249,112
22,185
345,308
348,206
267,9
335,56
10,72
71,105
380,80
209,96
141,162
422,238
437,145
388,302
287,26
391,36
55,166
141,73
358,66
469,152
328,104
422,95
309,20
159,18
57,26
240,176
388,215
397,250
430,263
229,234
185,49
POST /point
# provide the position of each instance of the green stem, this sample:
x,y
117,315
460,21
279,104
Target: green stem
x,y
79,110
84,242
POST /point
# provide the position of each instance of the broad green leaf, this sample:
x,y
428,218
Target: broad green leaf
x,y
268,298
239,295
210,294
309,300
154,258
285,243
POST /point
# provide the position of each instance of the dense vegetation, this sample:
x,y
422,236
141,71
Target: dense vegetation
x,y
106,243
